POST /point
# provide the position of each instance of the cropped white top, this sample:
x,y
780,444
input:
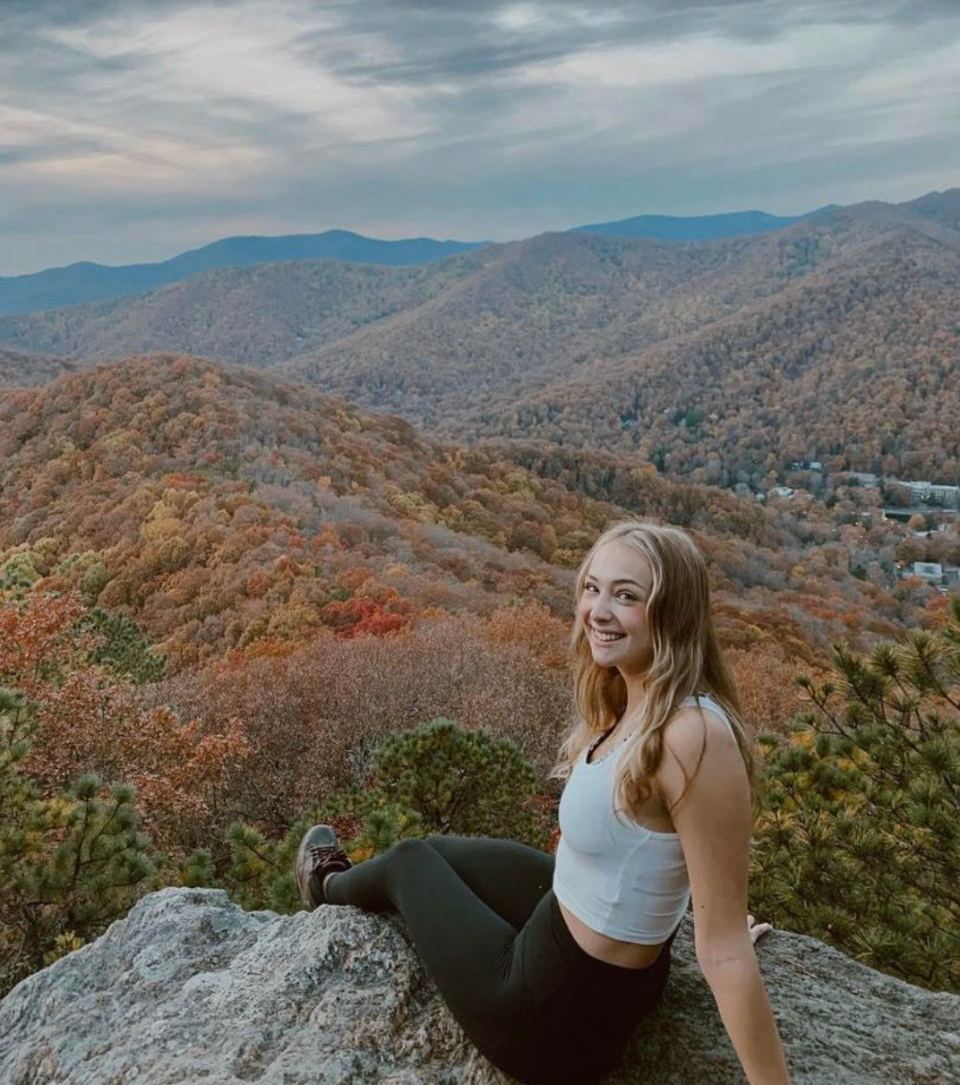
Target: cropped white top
x,y
621,879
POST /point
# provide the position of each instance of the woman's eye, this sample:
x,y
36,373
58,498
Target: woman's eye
x,y
620,594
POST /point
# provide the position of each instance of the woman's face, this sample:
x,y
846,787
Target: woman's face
x,y
613,607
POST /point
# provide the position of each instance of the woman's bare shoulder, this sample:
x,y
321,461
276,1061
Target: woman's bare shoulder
x,y
691,730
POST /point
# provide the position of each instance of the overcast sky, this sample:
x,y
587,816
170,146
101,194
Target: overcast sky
x,y
131,131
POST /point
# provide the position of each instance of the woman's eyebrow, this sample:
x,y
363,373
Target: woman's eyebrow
x,y
622,580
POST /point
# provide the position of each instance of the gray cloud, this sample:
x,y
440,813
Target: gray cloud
x,y
131,130
441,39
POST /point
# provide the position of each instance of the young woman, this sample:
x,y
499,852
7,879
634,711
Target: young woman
x,y
549,962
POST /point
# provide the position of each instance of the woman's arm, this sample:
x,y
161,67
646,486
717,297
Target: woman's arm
x,y
713,820
737,986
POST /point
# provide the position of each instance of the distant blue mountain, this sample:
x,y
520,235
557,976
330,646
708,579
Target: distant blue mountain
x,y
696,228
86,282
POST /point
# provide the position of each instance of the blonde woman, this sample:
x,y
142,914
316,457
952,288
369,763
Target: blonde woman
x,y
548,963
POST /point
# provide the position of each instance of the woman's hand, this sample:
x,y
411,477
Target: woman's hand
x,y
757,930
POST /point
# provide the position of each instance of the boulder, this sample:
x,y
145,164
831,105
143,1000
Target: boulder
x,y
190,988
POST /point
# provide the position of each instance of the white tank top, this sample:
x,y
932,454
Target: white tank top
x,y
619,878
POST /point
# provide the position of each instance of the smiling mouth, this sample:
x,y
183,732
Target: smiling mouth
x,y
606,638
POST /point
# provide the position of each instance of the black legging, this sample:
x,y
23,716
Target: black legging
x,y
490,933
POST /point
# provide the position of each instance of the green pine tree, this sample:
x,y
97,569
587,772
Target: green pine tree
x,y
459,781
17,577
859,839
70,863
122,648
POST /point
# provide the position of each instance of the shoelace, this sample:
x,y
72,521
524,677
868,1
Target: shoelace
x,y
324,854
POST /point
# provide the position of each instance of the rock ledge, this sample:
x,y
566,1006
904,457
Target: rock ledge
x,y
190,988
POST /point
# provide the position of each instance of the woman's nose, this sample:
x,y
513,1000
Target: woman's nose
x,y
600,609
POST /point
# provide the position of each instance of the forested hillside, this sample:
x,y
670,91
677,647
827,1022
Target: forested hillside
x,y
21,370
832,342
256,315
722,361
219,507
858,370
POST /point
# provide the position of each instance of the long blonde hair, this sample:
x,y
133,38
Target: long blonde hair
x,y
686,661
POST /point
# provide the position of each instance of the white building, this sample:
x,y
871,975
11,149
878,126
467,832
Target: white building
x,y
934,493
928,570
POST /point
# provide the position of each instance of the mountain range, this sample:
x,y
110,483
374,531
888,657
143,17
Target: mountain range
x,y
89,282
723,361
85,282
697,227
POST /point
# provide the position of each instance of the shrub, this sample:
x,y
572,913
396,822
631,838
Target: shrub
x,y
436,778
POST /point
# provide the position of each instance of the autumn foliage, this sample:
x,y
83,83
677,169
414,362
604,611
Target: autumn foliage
x,y
222,510
89,720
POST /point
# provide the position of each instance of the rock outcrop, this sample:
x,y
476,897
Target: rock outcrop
x,y
190,988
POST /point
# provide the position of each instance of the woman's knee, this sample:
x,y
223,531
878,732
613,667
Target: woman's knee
x,y
411,855
442,841
410,848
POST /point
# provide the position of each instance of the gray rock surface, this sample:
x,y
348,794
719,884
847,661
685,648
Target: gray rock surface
x,y
189,988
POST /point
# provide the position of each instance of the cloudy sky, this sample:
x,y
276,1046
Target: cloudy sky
x,y
133,130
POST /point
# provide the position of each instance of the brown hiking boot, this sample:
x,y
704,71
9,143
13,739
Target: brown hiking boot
x,y
319,854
